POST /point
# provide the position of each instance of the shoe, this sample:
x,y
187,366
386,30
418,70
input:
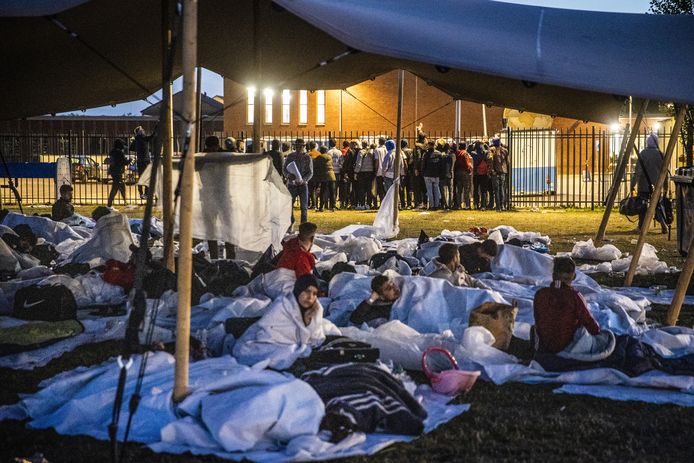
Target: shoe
x,y
143,196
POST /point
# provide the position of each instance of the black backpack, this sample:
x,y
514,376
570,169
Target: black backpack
x,y
48,303
340,350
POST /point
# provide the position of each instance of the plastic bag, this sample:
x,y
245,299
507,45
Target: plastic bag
x,y
587,250
384,221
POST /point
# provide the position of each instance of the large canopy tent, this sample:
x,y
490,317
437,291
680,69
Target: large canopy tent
x,y
561,62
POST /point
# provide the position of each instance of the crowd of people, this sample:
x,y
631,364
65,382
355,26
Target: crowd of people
x,y
434,174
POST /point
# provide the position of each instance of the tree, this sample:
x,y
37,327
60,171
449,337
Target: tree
x,y
687,132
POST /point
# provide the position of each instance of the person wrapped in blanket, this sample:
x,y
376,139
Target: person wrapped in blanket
x,y
447,267
566,337
291,327
375,310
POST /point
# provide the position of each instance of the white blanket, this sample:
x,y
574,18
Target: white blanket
x,y
43,227
280,337
112,239
234,411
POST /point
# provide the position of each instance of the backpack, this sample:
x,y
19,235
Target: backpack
x,y
341,350
482,167
47,303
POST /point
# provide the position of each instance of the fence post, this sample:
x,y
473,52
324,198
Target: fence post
x,y
509,177
592,169
69,151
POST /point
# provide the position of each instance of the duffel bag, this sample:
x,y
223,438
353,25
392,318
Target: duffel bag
x,y
47,303
344,350
632,205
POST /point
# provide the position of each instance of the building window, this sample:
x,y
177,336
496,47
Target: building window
x,y
250,105
268,105
286,98
303,107
320,107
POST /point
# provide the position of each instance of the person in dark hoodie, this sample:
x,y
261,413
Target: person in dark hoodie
x,y
431,170
652,159
296,254
117,161
141,143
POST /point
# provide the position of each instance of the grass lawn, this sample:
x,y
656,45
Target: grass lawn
x,y
508,422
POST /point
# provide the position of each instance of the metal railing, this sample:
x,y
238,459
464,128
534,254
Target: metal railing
x,y
548,168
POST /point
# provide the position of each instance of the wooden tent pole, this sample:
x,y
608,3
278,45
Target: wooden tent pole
x,y
257,100
167,129
621,168
185,258
398,138
655,197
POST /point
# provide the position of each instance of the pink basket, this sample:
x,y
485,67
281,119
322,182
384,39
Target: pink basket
x,y
450,382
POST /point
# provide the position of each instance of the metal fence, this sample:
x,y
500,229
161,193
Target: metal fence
x,y
548,168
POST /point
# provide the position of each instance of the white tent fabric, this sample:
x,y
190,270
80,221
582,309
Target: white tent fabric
x,y
560,62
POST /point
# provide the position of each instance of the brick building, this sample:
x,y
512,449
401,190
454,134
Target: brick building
x,y
366,107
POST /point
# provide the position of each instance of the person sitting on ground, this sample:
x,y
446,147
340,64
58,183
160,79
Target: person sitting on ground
x,y
477,257
375,310
99,212
296,252
212,144
447,267
560,310
63,208
290,328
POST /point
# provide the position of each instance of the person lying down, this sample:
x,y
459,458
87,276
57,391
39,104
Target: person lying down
x,y
290,328
566,337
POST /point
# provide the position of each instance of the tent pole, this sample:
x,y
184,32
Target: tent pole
x,y
655,196
621,168
398,138
484,120
167,129
257,101
198,108
185,259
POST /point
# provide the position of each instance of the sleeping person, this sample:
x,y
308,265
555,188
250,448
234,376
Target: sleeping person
x,y
290,328
375,310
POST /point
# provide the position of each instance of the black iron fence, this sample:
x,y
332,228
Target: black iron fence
x,y
549,168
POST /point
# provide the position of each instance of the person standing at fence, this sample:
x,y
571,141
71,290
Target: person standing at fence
x,y
462,172
313,184
298,168
446,177
324,178
499,156
481,177
349,159
648,165
405,176
388,168
337,158
365,169
419,187
379,154
141,145
431,170
276,156
117,162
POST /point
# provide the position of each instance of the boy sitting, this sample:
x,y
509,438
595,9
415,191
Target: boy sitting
x,y
560,310
447,267
376,309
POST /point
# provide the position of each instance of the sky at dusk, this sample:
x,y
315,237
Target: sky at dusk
x,y
212,83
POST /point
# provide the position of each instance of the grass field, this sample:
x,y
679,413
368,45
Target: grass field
x,y
512,422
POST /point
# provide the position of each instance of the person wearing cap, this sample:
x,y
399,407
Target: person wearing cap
x,y
141,143
63,208
298,187
289,329
650,159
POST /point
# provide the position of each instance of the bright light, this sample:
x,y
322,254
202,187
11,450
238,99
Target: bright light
x,y
251,90
268,92
656,126
615,127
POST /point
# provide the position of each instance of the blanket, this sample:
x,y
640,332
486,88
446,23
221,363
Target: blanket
x,y
233,411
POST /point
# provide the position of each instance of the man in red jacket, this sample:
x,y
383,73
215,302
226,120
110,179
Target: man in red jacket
x,y
560,310
296,254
